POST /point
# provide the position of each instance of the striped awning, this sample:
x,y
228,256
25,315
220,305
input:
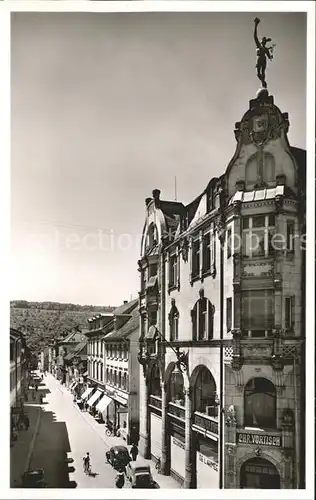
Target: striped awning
x,y
103,403
87,393
94,397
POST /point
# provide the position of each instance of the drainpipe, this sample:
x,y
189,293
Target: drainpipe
x,y
296,428
221,406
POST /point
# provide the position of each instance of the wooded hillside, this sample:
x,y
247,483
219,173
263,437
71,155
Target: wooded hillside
x,y
42,322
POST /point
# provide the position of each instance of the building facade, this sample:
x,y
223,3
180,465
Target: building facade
x,y
113,370
221,327
19,376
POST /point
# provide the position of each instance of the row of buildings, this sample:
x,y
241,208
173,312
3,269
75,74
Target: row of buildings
x,y
101,366
20,366
207,368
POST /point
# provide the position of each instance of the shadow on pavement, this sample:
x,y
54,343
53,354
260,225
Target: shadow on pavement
x,y
51,452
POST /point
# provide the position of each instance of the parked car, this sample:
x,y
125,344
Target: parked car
x,y
118,456
33,479
139,475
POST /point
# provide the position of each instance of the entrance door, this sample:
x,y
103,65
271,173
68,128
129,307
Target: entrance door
x,y
258,473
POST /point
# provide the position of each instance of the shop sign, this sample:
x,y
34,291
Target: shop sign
x,y
263,439
208,461
178,443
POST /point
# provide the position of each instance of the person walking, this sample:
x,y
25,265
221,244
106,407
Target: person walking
x,y
26,422
134,451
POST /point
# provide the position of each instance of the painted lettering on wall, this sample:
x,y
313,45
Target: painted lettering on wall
x,y
208,461
263,439
178,443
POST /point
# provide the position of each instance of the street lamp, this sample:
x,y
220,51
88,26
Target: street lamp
x,y
182,357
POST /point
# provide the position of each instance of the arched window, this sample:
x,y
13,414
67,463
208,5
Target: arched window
x,y
155,384
205,397
173,321
268,171
252,176
203,319
260,404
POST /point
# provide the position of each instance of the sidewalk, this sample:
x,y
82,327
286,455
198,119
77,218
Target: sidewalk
x,y
21,449
163,481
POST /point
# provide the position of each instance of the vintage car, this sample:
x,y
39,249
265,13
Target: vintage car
x,y
33,479
118,456
139,475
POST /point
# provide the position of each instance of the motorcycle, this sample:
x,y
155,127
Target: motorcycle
x,y
33,479
119,480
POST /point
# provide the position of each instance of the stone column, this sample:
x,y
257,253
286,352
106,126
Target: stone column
x,y
188,439
146,413
165,448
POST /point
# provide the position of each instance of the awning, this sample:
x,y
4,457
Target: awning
x,y
87,393
103,403
94,397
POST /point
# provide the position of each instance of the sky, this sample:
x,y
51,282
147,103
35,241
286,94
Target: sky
x,y
107,107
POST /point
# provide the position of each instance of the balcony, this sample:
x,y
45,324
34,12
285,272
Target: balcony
x,y
177,411
155,402
205,422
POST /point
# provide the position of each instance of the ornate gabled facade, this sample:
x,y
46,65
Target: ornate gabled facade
x,y
222,328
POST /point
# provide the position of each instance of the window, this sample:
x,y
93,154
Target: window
x,y
260,404
195,258
206,245
257,233
289,312
202,319
229,243
229,313
173,321
252,172
152,270
152,318
258,313
173,271
290,235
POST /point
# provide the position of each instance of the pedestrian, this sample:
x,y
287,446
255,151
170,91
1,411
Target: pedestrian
x,y
134,451
86,406
26,422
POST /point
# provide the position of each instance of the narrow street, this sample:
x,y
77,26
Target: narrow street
x,y
63,439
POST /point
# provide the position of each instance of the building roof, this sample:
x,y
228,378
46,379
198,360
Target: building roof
x,y
129,327
73,337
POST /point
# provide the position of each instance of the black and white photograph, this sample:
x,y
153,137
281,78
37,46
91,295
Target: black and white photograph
x,y
160,282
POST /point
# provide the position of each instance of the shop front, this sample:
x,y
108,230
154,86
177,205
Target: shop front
x,y
259,473
117,414
177,452
205,439
155,435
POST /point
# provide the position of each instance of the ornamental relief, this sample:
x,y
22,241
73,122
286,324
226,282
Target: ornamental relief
x,y
261,125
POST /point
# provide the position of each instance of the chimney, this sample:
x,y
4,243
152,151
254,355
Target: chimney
x,y
156,195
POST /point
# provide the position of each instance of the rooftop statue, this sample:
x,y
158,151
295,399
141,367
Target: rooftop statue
x,y
263,52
